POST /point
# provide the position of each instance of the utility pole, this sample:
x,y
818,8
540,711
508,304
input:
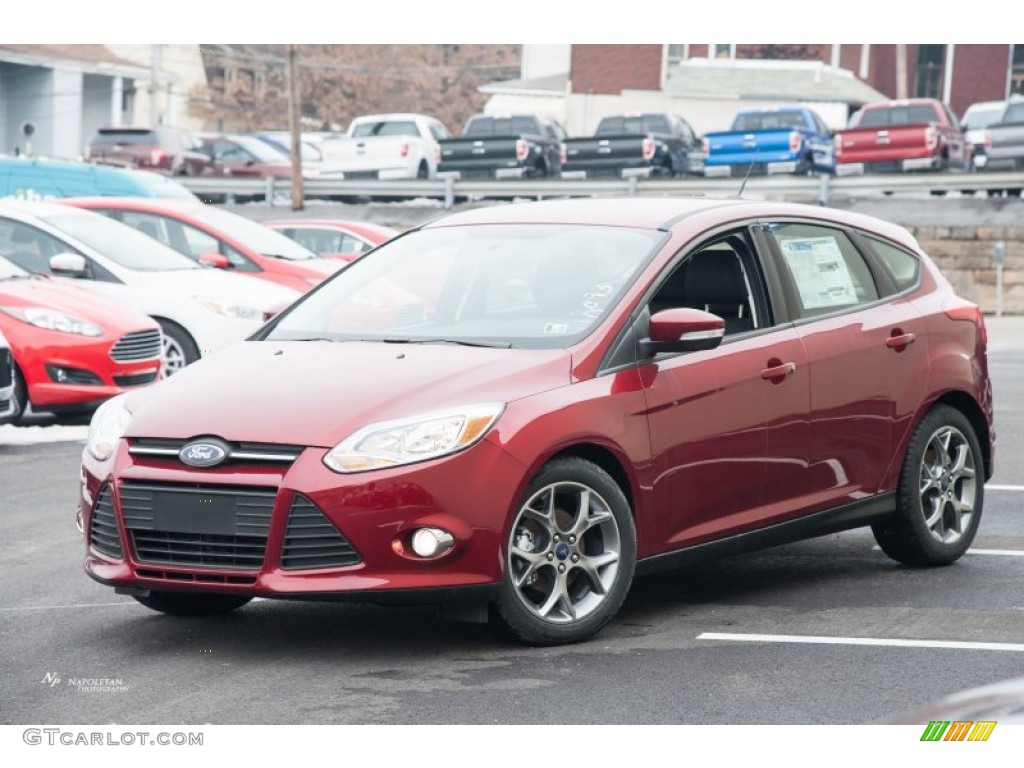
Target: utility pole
x,y
294,108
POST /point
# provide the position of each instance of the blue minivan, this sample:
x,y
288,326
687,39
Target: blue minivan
x,y
32,179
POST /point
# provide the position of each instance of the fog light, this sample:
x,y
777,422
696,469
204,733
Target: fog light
x,y
430,542
79,521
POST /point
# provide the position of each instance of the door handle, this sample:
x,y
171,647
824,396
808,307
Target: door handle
x,y
776,373
900,341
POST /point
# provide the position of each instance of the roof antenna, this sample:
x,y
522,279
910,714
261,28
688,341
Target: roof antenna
x,y
747,175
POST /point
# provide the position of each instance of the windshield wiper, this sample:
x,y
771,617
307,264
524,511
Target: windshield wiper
x,y
460,342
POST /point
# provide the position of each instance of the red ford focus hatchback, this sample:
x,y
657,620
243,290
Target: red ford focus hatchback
x,y
582,391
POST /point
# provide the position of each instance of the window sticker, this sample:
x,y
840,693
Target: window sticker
x,y
819,271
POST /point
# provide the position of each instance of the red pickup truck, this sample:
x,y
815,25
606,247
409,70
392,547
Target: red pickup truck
x,y
905,135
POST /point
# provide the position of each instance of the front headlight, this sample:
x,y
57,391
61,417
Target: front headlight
x,y
241,311
418,438
51,320
107,427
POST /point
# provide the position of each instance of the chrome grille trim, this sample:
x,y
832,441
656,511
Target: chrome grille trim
x,y
138,345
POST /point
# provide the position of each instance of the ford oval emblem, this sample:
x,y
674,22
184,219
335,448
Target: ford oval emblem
x,y
204,453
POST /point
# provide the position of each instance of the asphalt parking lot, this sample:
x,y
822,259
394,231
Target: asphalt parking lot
x,y
710,644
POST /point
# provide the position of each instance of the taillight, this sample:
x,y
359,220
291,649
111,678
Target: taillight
x,y
837,145
931,137
522,149
648,148
157,156
563,154
706,146
437,154
988,141
405,149
970,313
795,142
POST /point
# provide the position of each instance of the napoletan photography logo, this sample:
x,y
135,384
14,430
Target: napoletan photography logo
x,y
961,730
85,684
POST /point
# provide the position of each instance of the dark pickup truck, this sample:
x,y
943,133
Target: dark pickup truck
x,y
649,144
1003,147
504,147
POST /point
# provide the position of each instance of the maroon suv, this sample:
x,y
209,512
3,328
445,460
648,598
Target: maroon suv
x,y
170,151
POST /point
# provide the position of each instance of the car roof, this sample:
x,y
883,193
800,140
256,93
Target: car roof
x,y
136,203
664,213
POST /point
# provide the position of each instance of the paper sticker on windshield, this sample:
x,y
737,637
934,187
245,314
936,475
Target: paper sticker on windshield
x,y
561,328
819,271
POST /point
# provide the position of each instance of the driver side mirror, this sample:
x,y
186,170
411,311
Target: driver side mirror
x,y
214,259
68,264
682,329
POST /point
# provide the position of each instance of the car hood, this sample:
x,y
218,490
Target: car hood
x,y
72,298
316,393
212,283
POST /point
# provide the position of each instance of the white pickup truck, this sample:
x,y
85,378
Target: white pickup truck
x,y
397,146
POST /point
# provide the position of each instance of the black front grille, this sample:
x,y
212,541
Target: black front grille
x,y
312,541
140,345
135,379
6,368
103,533
221,527
361,175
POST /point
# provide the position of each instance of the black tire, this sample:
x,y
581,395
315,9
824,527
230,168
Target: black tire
x,y
423,172
179,347
19,395
547,564
540,171
929,527
185,604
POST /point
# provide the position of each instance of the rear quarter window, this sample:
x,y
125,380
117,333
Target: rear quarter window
x,y
903,267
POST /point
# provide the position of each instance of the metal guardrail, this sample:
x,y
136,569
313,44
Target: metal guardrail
x,y
794,188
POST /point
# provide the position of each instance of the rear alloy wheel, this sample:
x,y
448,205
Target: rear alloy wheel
x,y
570,555
179,349
184,604
940,494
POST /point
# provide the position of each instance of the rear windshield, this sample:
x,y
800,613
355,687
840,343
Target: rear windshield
x,y
633,124
767,121
386,128
125,138
1014,114
905,115
502,126
982,118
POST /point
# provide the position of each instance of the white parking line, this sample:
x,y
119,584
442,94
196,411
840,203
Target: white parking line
x,y
891,642
65,607
973,551
1017,488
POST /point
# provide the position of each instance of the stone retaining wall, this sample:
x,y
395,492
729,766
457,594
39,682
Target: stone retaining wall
x,y
965,256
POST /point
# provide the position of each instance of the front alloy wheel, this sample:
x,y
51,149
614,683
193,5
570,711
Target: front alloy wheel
x,y
570,555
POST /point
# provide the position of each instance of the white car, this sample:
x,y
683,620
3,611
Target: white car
x,y
7,404
974,123
200,310
394,146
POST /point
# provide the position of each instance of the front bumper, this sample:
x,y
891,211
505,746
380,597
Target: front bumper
x,y
469,494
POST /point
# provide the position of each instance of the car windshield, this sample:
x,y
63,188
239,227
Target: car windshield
x,y
532,286
254,236
386,128
632,124
260,150
121,244
9,270
879,117
976,120
502,126
135,138
765,121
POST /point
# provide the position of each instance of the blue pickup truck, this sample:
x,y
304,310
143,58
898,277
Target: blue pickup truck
x,y
768,141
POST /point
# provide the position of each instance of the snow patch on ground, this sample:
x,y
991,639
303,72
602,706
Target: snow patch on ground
x,y
12,435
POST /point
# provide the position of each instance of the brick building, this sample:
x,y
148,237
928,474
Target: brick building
x,y
959,74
